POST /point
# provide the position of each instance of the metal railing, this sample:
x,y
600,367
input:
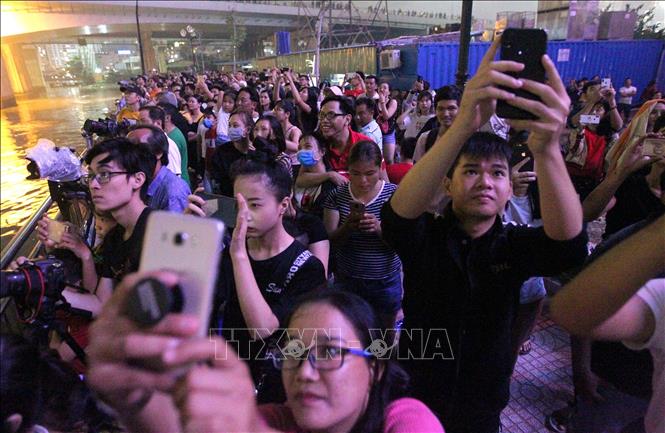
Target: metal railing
x,y
17,243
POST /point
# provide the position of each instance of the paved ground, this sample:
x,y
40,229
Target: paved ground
x,y
542,383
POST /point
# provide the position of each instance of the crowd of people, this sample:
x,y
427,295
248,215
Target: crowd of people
x,y
427,231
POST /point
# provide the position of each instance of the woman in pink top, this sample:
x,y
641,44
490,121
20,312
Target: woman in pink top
x,y
338,375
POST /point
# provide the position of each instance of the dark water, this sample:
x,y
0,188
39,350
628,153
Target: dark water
x,y
58,115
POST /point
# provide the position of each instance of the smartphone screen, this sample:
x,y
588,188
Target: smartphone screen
x,y
357,209
220,207
192,247
525,46
654,147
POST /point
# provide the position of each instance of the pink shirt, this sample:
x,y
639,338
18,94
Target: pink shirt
x,y
404,415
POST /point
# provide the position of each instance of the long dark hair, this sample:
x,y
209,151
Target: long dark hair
x,y
390,381
277,130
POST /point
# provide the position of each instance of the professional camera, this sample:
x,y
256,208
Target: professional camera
x,y
107,127
36,288
33,282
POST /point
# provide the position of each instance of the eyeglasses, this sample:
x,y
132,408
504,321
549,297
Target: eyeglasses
x,y
323,358
330,116
102,178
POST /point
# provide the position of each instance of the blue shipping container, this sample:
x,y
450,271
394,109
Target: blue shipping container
x,y
640,60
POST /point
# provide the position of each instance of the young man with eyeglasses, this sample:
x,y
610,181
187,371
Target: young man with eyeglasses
x,y
119,173
335,131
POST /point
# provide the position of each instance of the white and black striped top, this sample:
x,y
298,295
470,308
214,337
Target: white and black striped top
x,y
364,255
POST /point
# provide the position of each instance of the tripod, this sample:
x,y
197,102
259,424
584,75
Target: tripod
x,y
38,330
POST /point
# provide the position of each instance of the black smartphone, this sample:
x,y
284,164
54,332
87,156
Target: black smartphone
x,y
525,46
220,207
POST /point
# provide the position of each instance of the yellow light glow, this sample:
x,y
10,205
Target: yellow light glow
x,y
10,67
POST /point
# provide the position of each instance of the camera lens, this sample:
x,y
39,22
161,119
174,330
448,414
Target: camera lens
x,y
180,238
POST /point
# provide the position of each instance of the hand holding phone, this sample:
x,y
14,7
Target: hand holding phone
x,y
356,210
526,46
56,229
654,147
191,247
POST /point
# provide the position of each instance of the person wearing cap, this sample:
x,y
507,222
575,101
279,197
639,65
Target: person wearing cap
x,y
130,111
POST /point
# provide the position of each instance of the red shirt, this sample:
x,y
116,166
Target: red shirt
x,y
594,165
338,159
354,93
396,172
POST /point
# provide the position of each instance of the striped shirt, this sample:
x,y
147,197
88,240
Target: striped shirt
x,y
364,255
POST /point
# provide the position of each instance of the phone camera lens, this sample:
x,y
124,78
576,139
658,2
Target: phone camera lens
x,y
180,238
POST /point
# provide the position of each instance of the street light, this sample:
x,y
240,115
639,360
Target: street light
x,y
190,33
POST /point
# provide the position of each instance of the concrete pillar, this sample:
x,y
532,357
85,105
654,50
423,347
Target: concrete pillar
x,y
148,53
6,91
22,65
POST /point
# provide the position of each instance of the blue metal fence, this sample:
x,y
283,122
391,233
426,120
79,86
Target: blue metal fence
x,y
437,62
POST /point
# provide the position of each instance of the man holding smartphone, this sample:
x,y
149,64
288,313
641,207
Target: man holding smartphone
x,y
463,272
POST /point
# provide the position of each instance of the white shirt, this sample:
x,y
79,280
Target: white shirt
x,y
653,294
373,131
175,161
413,123
629,92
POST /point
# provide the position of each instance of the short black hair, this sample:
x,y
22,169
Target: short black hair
x,y
365,150
345,104
408,147
131,158
447,93
253,94
168,109
372,77
484,145
155,113
589,84
157,142
368,102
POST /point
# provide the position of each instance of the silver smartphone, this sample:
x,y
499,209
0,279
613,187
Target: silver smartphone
x,y
192,247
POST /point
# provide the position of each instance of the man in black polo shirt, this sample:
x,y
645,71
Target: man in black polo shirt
x,y
463,272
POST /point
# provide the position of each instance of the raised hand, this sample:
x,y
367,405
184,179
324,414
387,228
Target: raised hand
x,y
551,111
239,239
521,179
481,92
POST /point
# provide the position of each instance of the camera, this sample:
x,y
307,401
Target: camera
x,y
107,127
34,281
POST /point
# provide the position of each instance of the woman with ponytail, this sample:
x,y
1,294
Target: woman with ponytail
x,y
265,268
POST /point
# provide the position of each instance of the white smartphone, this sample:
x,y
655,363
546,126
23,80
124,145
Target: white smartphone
x,y
606,83
589,119
192,247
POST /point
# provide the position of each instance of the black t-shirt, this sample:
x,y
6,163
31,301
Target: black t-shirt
x,y
220,168
181,123
121,257
308,121
306,228
271,277
635,201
